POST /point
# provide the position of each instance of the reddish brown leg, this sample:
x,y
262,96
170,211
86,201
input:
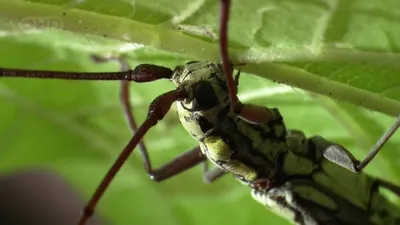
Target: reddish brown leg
x,y
147,73
126,105
248,112
184,162
157,110
379,144
180,164
161,72
177,165
212,175
223,44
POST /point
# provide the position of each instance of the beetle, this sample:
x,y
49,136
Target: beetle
x,y
203,86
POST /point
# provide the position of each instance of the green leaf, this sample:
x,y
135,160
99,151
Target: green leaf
x,y
344,49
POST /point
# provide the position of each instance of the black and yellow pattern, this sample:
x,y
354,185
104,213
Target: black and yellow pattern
x,y
308,185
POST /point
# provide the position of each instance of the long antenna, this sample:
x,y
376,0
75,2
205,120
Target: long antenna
x,y
121,75
379,144
223,43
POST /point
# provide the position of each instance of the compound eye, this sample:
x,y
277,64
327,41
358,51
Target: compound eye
x,y
204,95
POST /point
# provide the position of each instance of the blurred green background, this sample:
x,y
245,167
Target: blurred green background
x,y
77,128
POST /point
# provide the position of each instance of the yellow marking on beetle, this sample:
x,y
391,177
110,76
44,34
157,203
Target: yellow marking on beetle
x,y
216,149
238,168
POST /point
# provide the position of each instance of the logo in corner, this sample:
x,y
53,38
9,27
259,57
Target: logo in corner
x,y
39,22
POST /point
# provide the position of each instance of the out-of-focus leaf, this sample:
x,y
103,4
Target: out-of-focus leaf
x,y
345,50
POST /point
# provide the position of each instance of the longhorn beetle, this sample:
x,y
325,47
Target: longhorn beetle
x,y
307,180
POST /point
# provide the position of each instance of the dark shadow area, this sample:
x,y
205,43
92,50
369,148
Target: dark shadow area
x,y
38,197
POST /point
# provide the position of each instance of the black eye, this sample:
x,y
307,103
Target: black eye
x,y
205,96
